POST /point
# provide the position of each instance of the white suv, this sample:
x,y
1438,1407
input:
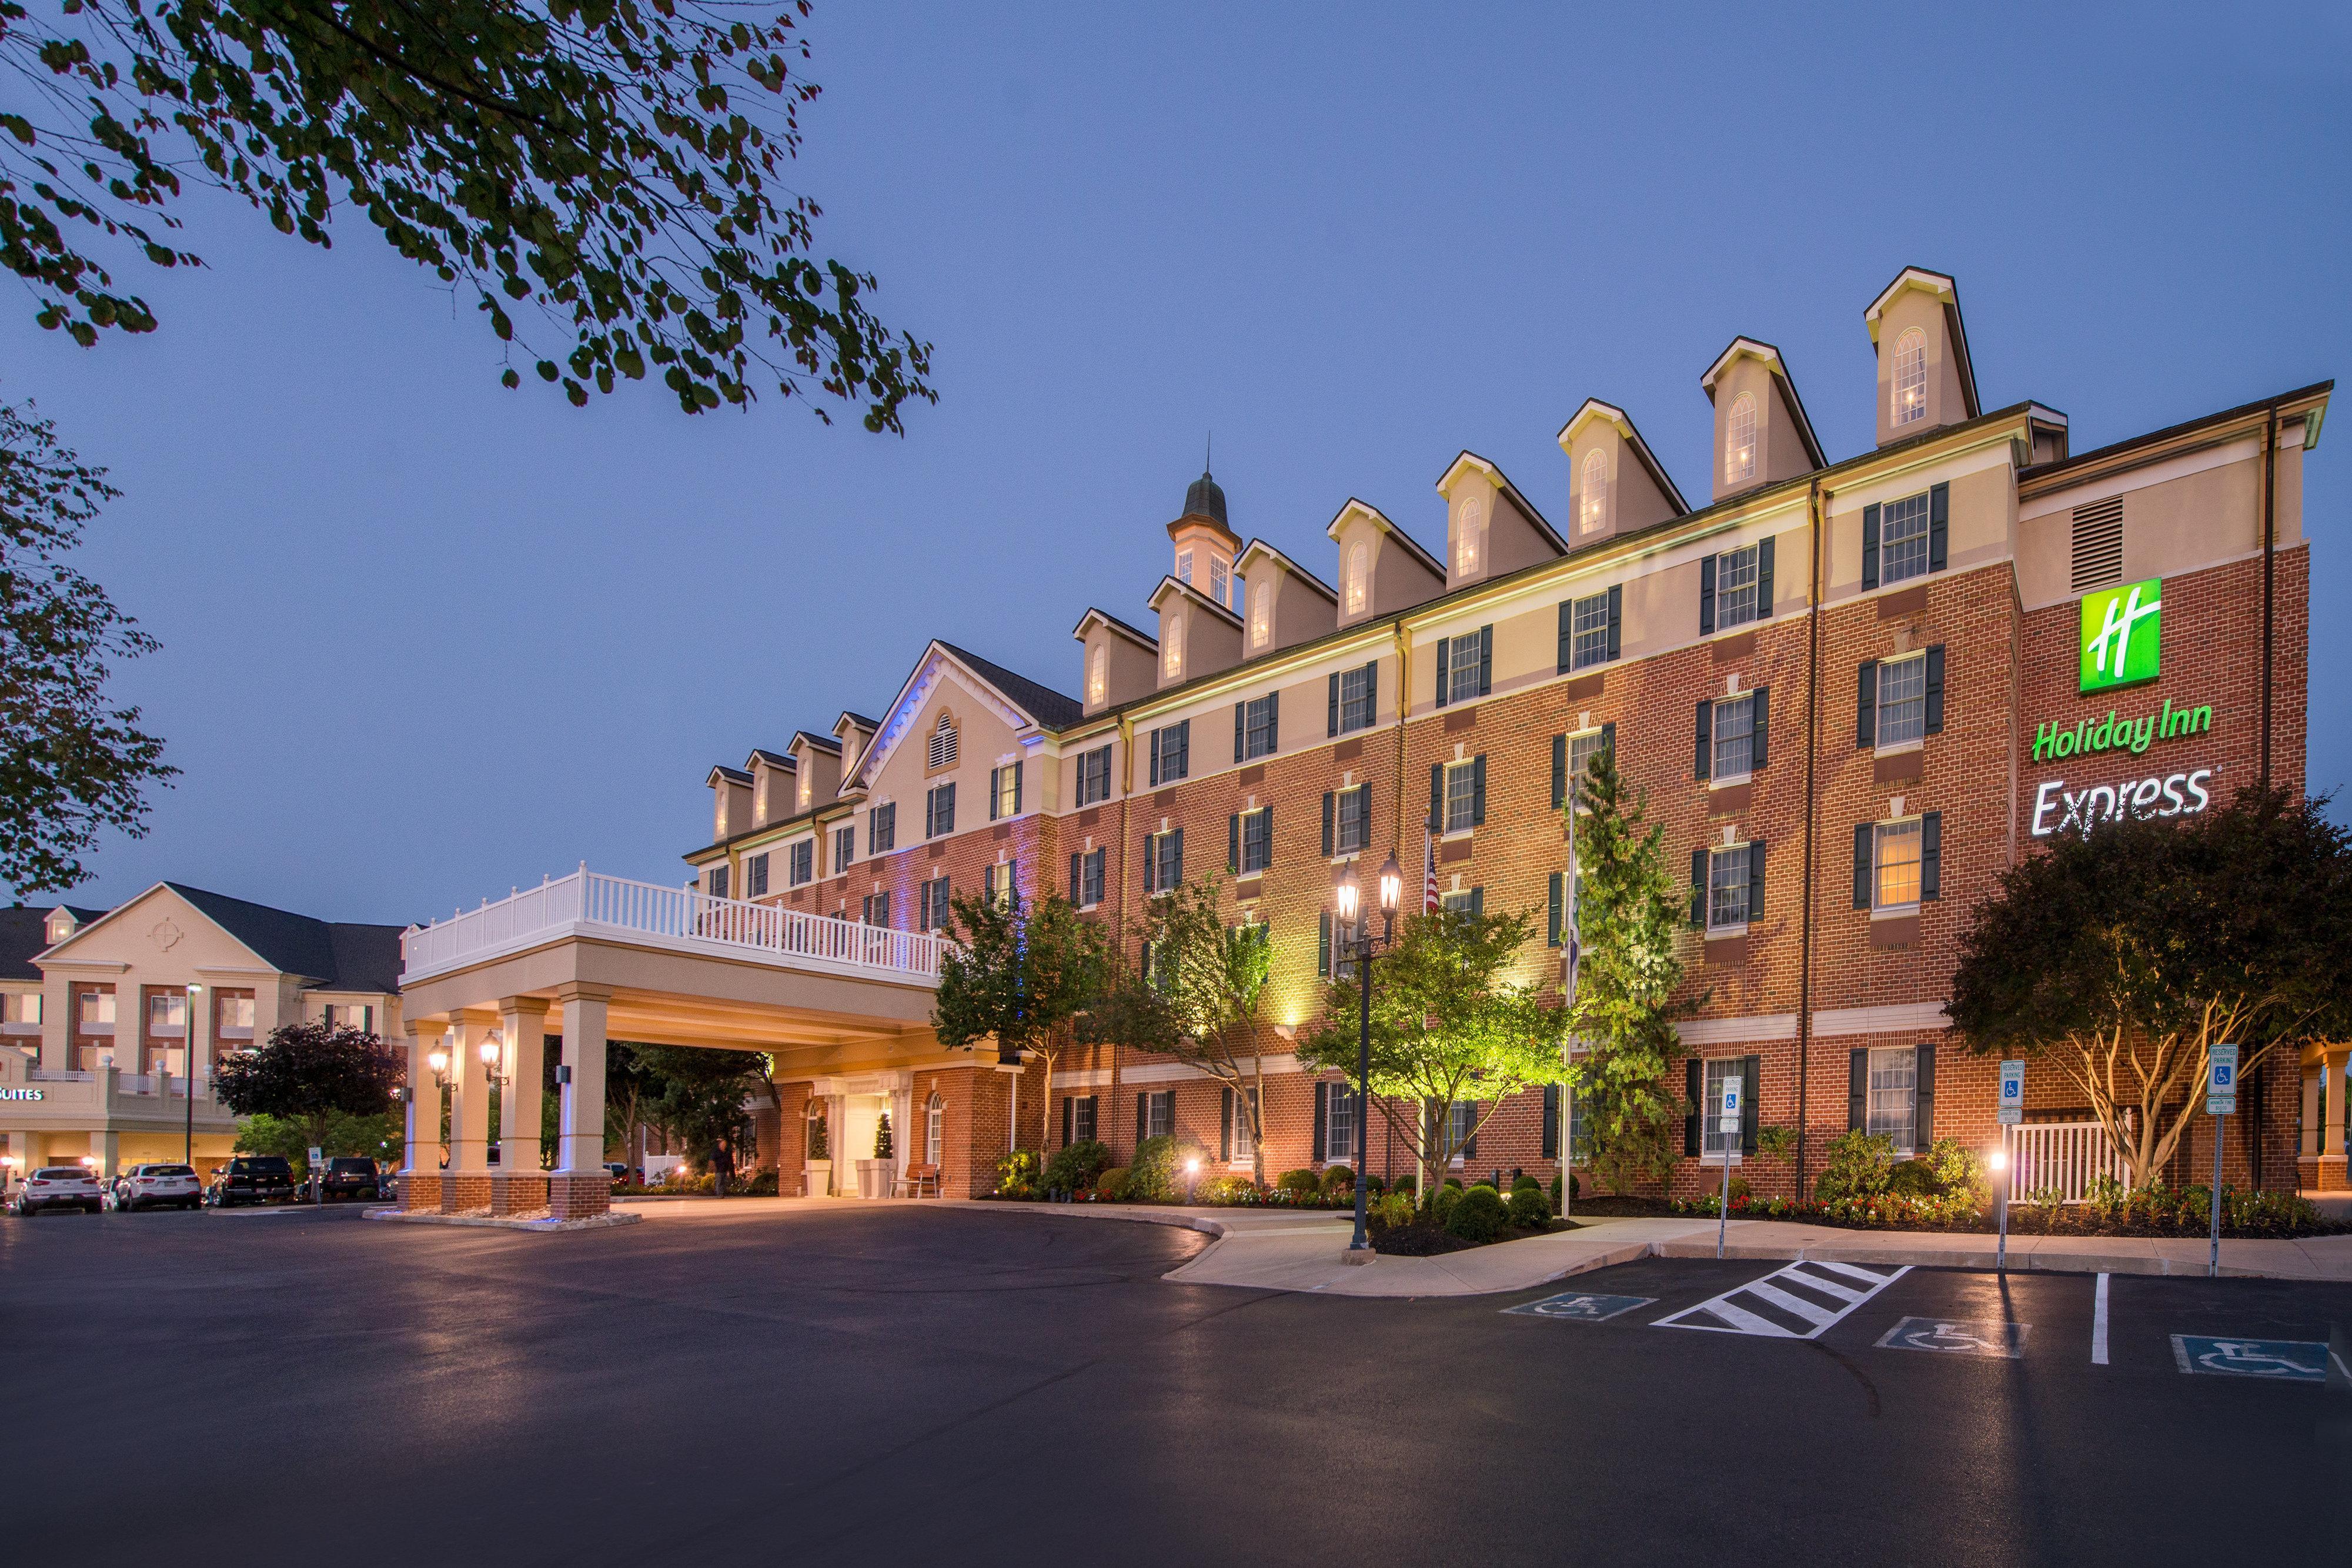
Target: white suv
x,y
156,1186
58,1187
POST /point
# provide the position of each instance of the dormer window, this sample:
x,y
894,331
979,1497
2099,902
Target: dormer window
x,y
941,752
1097,673
1171,652
1740,444
1262,614
1468,537
1358,576
1595,498
1185,567
805,786
1910,378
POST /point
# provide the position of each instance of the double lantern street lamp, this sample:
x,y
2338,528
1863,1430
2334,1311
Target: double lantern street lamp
x,y
1359,947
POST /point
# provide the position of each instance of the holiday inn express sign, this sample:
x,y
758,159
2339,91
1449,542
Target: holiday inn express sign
x,y
2122,629
2122,641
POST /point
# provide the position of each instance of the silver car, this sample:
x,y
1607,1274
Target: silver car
x,y
59,1186
156,1186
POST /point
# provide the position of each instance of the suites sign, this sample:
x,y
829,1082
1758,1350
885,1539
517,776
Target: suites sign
x,y
24,1093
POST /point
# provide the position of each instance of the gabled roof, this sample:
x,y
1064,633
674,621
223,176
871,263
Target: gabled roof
x,y
811,737
335,956
24,932
1386,526
1772,360
1502,481
1019,696
1947,292
1049,707
860,720
1143,639
720,770
1259,547
1192,594
773,758
1595,409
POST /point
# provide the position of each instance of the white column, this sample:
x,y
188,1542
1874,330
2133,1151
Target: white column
x,y
523,1022
902,1124
2331,1123
582,1136
423,1130
469,1106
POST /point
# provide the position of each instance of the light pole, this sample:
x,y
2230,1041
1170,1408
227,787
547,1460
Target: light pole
x,y
437,1059
188,1050
1999,1161
1362,947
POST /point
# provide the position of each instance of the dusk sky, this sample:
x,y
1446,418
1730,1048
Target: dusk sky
x,y
425,639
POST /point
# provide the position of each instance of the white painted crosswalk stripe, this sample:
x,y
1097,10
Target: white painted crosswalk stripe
x,y
1774,1307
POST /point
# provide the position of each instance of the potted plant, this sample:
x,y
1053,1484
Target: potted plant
x,y
817,1171
874,1174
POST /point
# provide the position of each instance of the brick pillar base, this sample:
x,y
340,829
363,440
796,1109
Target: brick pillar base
x,y
579,1196
420,1192
519,1193
2326,1173
465,1191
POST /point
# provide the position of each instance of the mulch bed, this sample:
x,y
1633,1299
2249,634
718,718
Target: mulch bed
x,y
1424,1240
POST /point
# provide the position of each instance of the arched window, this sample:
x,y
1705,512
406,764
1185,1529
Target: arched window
x,y
934,1143
1596,489
1261,613
1099,674
1171,649
942,752
1359,574
1910,377
1468,536
1739,444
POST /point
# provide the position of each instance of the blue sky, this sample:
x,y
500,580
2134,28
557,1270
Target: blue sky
x,y
426,638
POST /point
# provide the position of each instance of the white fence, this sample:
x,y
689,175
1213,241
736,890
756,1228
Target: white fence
x,y
2066,1155
587,902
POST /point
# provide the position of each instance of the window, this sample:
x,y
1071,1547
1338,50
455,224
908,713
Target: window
x,y
1094,776
1735,587
1359,578
1894,1096
1099,674
1463,664
1237,1133
1168,859
844,848
1261,604
1171,753
1004,791
1358,692
347,1015
1184,566
882,828
1589,625
1595,502
1086,879
719,882
1261,719
800,862
20,1006
1354,820
941,752
94,1008
1903,539
876,909
934,1139
1735,754
1740,442
1464,901
1462,1121
167,1012
1003,882
1896,861
1338,1122
1078,1118
1256,833
755,876
1582,750
233,1013
939,811
1159,1115
1902,706
1715,1140
1218,581
1172,648
1462,796
932,905
1727,887
1910,378
1468,536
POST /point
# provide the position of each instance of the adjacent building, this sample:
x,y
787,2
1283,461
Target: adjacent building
x,y
1851,689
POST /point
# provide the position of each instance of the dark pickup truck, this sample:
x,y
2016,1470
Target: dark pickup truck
x,y
251,1178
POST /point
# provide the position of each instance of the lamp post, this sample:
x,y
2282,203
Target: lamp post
x,y
188,1052
1999,1161
437,1059
1360,947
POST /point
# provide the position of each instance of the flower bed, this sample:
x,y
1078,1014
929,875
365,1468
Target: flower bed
x,y
2151,1211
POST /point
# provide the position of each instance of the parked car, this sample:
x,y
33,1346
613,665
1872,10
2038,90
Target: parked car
x,y
156,1186
59,1186
620,1173
251,1178
347,1176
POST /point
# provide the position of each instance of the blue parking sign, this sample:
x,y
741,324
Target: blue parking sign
x,y
2012,1104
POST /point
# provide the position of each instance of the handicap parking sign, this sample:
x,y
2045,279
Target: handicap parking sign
x,y
1577,1307
2013,1094
2279,1360
2221,1082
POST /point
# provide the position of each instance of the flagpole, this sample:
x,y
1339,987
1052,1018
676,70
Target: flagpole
x,y
1572,950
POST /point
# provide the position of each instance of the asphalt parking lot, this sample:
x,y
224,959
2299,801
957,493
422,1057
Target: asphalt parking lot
x,y
833,1385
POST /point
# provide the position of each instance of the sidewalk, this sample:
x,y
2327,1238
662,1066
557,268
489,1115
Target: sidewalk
x,y
1303,1250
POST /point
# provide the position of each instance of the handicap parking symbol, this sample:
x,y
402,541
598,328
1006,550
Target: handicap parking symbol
x,y
2279,1360
2003,1340
1577,1307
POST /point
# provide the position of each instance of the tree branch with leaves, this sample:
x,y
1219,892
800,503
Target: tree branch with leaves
x,y
1016,975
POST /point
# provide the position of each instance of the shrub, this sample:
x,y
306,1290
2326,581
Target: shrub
x,y
1740,1191
1376,1185
1394,1210
1443,1201
1154,1177
1075,1166
1913,1178
1531,1210
1575,1189
1478,1216
2105,1194
1453,1182
1859,1164
1224,1189
1300,1183
1525,1182
1958,1169
1112,1183
1338,1179
1016,1173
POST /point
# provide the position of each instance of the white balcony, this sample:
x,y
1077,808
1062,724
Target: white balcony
x,y
642,914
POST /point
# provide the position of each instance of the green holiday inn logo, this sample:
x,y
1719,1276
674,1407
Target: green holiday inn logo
x,y
2121,630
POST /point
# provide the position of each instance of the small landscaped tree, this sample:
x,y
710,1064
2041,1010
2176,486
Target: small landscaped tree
x,y
2122,956
327,1087
699,1095
1196,993
1629,908
1453,1021
1017,974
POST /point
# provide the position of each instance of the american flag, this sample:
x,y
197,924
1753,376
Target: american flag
x,y
1429,874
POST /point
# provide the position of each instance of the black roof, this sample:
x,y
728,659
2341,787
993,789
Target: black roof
x,y
335,955
1047,705
24,932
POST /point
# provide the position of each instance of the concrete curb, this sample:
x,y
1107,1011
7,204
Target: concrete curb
x,y
487,1222
1979,1261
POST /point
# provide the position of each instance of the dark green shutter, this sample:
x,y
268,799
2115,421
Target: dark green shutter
x,y
1700,755
1142,1112
1695,1093
1552,906
1925,1128
1323,942
1764,579
1477,902
1069,1106
1749,1114
1616,616
1331,713
1078,880
1861,855
1478,790
1857,1090
1176,871
1241,711
1322,1110
1609,742
1266,826
1940,524
1931,855
1707,596
1470,1144
1329,805
1486,660
1226,1124
1148,867
1756,879
1759,747
1558,771
1551,1150
1698,888
1567,639
1371,693
1437,796
1870,546
1936,689
1016,788
1866,704
1444,648
1233,842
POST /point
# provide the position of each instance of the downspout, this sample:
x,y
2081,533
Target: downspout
x,y
1812,746
2270,573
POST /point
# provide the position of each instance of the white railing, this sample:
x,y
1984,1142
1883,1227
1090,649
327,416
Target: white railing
x,y
2066,1155
588,902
